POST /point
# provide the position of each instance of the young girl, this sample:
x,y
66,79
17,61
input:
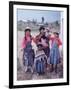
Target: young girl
x,y
54,52
40,60
28,53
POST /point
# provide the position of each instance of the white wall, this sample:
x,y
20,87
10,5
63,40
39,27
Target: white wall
x,y
4,44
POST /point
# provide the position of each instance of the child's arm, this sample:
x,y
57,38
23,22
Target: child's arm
x,y
37,38
59,42
23,44
51,38
34,39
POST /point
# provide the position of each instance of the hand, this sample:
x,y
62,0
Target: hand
x,y
45,45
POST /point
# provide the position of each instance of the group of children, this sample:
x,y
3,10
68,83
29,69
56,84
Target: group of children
x,y
38,61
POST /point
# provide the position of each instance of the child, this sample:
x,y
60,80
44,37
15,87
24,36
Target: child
x,y
40,60
28,53
54,52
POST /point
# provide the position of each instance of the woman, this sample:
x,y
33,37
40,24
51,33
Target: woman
x,y
44,40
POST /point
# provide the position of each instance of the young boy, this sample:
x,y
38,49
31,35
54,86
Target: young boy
x,y
40,61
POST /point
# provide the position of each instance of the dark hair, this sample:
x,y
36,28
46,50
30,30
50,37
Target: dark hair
x,y
56,33
26,31
41,27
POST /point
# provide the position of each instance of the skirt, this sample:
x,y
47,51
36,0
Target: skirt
x,y
54,55
28,57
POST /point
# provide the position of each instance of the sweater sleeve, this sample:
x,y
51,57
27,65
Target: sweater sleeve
x,y
51,38
59,42
23,44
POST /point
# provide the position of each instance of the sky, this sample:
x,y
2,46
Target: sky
x,y
49,16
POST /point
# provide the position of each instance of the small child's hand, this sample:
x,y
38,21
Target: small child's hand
x,y
45,45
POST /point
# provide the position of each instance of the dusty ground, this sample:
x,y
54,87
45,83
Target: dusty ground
x,y
22,75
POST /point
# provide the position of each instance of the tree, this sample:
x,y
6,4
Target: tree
x,y
57,23
34,21
42,19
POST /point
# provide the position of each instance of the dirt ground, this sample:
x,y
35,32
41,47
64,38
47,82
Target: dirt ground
x,y
22,75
